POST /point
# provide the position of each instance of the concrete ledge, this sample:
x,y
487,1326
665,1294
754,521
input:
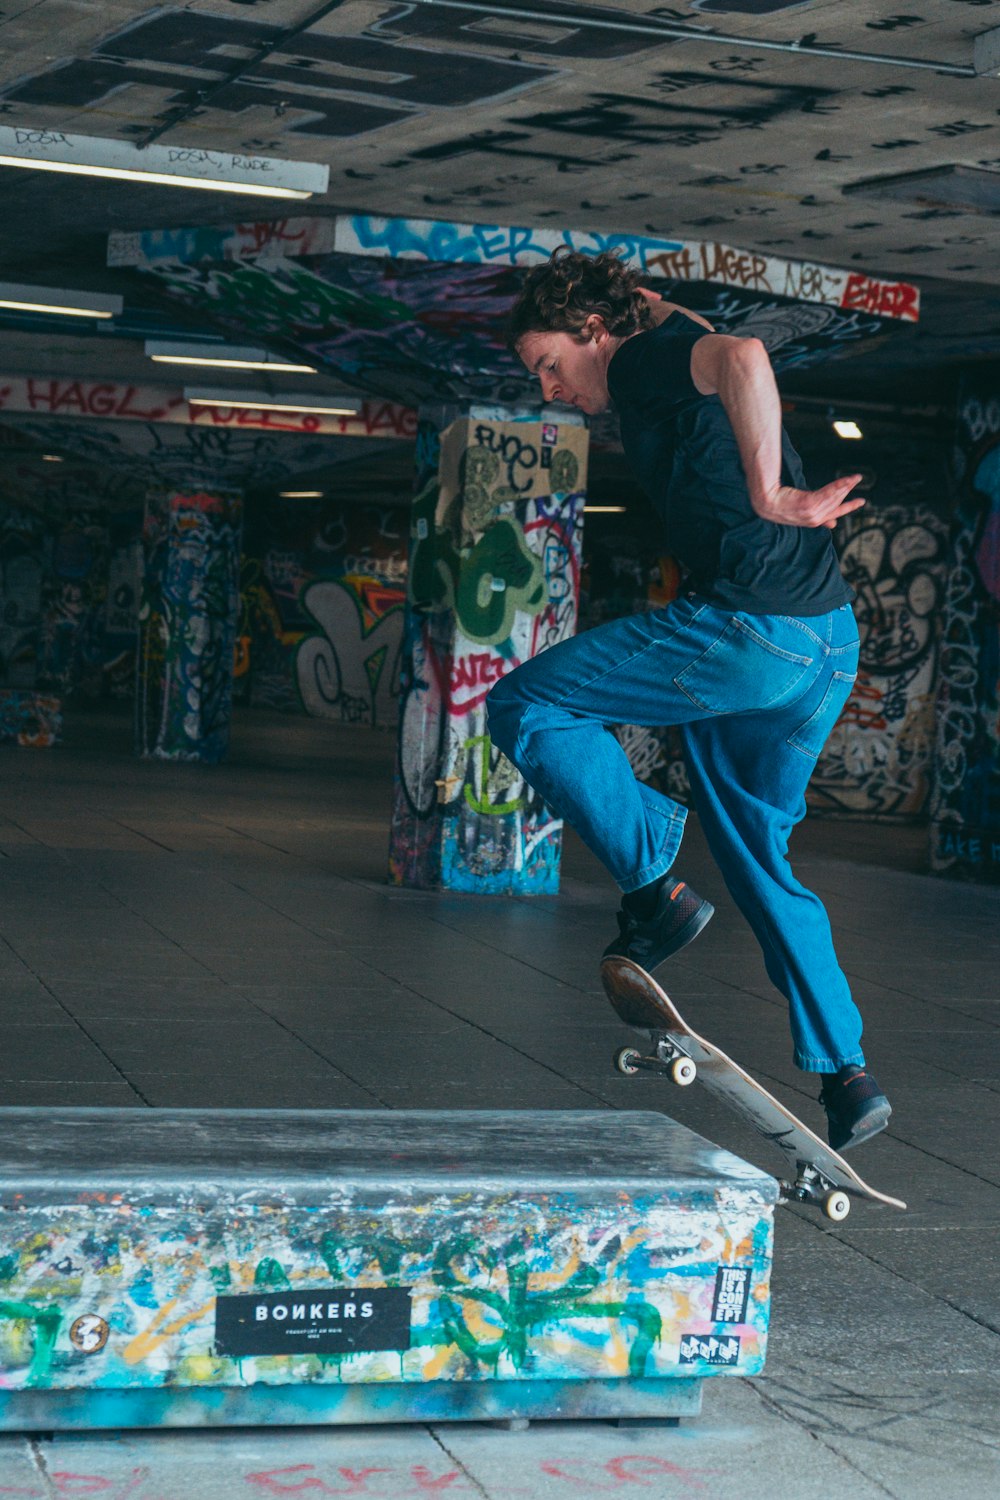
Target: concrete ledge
x,y
199,1267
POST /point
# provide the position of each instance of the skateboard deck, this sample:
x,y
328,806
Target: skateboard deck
x,y
820,1175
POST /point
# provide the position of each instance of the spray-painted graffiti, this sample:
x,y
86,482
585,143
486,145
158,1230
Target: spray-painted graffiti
x,y
74,605
114,401
965,808
495,563
23,563
68,605
30,719
351,670
359,552
188,622
525,1286
414,309
877,762
676,260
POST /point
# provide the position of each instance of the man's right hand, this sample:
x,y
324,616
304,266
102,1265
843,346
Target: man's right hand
x,y
823,507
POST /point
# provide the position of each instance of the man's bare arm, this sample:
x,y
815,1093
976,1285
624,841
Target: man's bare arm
x,y
739,372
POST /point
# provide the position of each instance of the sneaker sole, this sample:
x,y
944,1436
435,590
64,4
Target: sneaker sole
x,y
870,1124
687,934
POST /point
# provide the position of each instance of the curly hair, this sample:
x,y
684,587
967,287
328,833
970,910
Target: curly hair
x,y
559,297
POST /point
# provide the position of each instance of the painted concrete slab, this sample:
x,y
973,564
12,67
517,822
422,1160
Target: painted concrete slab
x,y
198,1268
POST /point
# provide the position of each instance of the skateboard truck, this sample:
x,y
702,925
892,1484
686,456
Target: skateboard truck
x,y
668,1058
810,1186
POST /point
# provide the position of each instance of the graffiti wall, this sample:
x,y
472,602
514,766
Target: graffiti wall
x,y
322,597
877,762
496,530
188,620
69,576
965,809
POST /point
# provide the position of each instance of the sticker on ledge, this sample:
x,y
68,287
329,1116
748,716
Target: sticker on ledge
x,y
732,1293
338,1320
698,1349
550,434
89,1334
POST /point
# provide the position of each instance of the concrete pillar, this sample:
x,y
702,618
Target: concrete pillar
x,y
965,802
495,546
187,624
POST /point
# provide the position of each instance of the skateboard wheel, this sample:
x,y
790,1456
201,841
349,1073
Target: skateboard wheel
x,y
683,1071
836,1206
625,1060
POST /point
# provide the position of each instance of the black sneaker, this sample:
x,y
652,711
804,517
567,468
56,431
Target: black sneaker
x,y
856,1107
678,917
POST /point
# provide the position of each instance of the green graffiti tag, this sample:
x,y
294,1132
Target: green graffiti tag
x,y
47,1321
274,300
482,803
271,1272
564,472
521,1311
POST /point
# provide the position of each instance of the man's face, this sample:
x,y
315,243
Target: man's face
x,y
569,371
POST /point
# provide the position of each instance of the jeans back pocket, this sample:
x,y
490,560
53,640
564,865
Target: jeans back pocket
x,y
811,736
743,671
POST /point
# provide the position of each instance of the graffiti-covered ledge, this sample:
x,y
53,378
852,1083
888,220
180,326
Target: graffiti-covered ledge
x,y
210,1267
413,309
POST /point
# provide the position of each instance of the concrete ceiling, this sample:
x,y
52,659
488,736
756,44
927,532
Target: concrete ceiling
x,y
462,112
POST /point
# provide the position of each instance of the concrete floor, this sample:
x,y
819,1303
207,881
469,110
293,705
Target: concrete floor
x,y
176,935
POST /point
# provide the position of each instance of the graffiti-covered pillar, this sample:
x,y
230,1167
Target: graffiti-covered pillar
x,y
495,543
965,803
187,624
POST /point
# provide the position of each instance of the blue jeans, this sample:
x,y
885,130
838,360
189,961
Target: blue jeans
x,y
756,697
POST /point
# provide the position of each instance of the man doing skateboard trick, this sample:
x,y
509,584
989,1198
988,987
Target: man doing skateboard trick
x,y
753,661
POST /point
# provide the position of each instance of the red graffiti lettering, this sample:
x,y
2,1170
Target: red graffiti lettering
x,y
383,418
269,421
429,1484
272,1481
645,1468
102,400
887,299
67,1483
478,670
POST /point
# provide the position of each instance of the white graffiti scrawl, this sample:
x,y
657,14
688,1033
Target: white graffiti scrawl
x,y
349,672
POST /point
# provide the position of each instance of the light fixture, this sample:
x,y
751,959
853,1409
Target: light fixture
x,y
222,356
331,406
847,429
604,510
52,458
49,299
170,166
300,494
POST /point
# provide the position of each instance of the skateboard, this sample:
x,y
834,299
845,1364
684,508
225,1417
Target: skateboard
x,y
820,1175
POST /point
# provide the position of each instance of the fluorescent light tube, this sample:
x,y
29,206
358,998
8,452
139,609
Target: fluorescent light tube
x,y
170,166
222,356
847,429
50,299
300,494
331,406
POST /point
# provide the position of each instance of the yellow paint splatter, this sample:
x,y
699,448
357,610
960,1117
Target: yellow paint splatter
x,y
159,1331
